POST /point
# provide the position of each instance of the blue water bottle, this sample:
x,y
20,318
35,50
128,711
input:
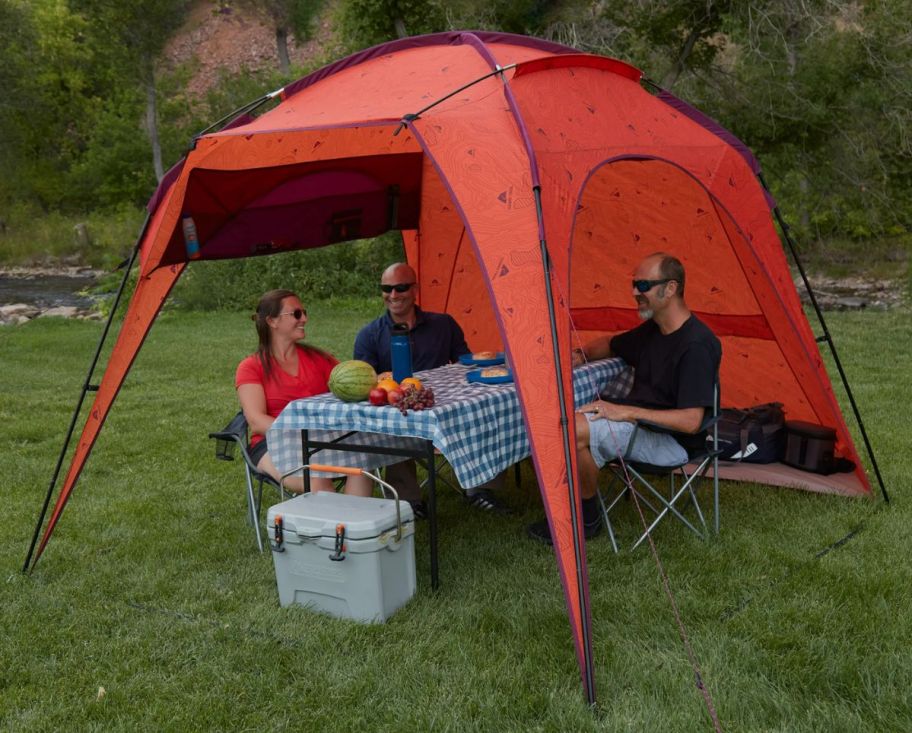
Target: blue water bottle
x,y
190,238
401,352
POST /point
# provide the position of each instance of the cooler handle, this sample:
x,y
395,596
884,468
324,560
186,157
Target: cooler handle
x,y
349,471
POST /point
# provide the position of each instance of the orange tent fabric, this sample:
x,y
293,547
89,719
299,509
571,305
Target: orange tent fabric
x,y
482,148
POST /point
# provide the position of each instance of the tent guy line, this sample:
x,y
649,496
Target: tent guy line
x,y
699,680
736,608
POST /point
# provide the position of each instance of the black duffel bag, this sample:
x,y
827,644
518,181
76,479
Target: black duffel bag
x,y
752,434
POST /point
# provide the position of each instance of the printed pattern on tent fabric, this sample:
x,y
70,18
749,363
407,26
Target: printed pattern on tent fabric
x,y
559,100
480,155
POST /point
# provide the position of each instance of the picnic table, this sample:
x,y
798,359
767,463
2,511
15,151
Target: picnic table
x,y
478,428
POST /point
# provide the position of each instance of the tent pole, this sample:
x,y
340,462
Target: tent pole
x,y
86,388
578,547
243,109
784,227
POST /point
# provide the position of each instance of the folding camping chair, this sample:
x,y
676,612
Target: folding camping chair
x,y
234,436
632,476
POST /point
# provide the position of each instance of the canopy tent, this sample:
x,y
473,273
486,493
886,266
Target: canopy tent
x,y
527,181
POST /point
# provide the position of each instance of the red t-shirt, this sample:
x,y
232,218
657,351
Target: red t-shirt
x,y
281,388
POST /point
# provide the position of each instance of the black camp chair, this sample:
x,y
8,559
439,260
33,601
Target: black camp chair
x,y
233,437
692,472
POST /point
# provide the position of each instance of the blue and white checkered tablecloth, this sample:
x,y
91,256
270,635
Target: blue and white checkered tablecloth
x,y
477,427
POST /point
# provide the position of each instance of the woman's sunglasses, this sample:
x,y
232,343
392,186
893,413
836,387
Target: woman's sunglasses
x,y
297,313
398,287
644,286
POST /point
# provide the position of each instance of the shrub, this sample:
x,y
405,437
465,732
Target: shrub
x,y
341,271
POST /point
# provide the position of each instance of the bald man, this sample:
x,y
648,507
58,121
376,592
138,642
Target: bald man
x,y
436,339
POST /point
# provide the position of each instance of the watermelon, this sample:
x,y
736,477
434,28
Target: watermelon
x,y
352,381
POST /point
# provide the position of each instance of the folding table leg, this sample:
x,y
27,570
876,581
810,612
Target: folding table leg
x,y
432,513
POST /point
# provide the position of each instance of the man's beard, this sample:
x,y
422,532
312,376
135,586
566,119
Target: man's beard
x,y
643,310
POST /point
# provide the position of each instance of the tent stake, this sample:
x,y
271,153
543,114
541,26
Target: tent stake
x,y
86,388
784,227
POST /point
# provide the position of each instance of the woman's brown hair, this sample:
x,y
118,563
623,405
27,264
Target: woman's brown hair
x,y
270,306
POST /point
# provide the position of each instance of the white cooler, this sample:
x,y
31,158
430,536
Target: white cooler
x,y
348,556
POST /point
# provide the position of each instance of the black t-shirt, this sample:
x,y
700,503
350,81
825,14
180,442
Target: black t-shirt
x,y
673,371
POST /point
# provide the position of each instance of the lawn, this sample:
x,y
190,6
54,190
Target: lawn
x,y
153,590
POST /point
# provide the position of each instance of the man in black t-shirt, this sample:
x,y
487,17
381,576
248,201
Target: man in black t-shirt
x,y
676,359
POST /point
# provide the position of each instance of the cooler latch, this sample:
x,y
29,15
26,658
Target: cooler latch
x,y
339,554
276,542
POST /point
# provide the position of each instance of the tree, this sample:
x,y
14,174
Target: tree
x,y
365,23
820,89
289,18
130,34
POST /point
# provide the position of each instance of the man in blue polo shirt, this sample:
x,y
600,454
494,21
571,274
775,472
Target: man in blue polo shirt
x,y
436,339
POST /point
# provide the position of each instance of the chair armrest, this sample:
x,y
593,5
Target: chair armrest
x,y
226,435
708,422
234,430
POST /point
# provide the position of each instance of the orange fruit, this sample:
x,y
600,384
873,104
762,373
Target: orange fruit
x,y
413,381
384,375
388,384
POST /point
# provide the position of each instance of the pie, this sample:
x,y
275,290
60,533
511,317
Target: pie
x,y
482,355
497,371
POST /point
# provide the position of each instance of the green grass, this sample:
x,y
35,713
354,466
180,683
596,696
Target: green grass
x,y
152,587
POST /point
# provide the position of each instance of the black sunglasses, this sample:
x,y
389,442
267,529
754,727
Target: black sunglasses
x,y
644,286
398,287
297,313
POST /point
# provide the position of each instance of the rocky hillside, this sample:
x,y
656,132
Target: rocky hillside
x,y
226,37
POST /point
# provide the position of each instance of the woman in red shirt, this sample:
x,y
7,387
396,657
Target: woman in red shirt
x,y
280,371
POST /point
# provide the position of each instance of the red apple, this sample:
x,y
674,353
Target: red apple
x,y
394,395
378,396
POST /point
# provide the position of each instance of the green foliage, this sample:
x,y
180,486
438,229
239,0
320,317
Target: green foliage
x,y
236,90
349,269
130,33
33,237
820,90
805,88
667,38
47,80
296,16
363,23
114,166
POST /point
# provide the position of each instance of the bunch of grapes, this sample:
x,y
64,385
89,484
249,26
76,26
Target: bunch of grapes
x,y
416,399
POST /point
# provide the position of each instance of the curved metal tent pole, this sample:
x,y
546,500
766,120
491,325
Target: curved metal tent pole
x,y
827,337
578,548
243,109
86,388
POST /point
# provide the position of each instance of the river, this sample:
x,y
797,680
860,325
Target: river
x,y
45,290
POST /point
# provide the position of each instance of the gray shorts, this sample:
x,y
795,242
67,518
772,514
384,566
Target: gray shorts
x,y
609,439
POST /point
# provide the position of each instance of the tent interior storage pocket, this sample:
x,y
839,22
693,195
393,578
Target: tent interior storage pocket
x,y
348,556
